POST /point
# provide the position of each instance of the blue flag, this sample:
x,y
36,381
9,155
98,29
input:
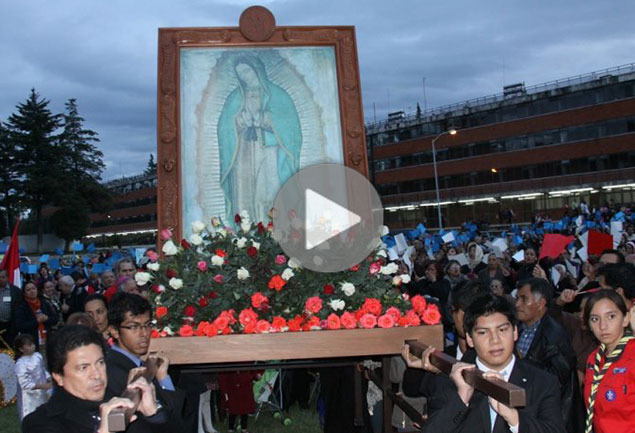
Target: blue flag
x,y
59,251
90,248
422,229
77,246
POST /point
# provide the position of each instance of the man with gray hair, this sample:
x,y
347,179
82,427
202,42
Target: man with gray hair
x,y
72,298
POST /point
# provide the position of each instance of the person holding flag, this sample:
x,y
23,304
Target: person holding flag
x,y
10,282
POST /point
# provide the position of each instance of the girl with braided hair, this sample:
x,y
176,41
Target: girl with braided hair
x,y
609,385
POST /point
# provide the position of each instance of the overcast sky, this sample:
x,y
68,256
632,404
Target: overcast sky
x,y
104,52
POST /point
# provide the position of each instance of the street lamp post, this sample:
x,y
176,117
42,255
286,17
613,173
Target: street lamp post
x,y
450,131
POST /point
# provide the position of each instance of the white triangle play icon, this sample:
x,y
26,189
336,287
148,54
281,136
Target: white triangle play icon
x,y
324,219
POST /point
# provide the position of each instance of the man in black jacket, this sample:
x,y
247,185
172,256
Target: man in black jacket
x,y
544,343
75,357
130,324
490,327
10,298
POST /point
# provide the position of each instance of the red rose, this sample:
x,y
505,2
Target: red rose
x,y
403,321
368,321
171,273
278,323
156,288
252,251
276,282
295,324
348,320
329,289
418,303
261,227
185,244
201,329
358,314
354,268
313,304
161,312
333,322
374,268
314,321
237,219
189,311
221,253
372,306
211,331
186,331
247,316
431,315
413,318
262,326
203,302
226,331
386,321
212,295
230,316
155,334
221,322
394,312
258,299
270,226
249,328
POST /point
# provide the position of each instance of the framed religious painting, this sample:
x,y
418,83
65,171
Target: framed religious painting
x,y
241,109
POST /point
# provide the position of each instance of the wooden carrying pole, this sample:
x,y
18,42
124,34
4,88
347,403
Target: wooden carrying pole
x,y
507,393
119,419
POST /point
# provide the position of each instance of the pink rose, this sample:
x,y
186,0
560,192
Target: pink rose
x,y
386,321
313,304
333,322
152,256
368,321
202,266
166,234
262,326
281,259
374,268
218,278
348,320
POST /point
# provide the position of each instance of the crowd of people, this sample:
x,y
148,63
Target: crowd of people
x,y
560,327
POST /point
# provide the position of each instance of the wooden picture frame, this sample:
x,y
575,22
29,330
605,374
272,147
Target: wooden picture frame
x,y
256,37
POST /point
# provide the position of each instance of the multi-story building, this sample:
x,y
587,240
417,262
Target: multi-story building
x,y
529,149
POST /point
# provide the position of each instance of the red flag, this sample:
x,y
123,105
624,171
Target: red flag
x,y
598,242
553,245
11,260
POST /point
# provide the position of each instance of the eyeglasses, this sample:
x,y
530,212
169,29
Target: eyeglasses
x,y
136,327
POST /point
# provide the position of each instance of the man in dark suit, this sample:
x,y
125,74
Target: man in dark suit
x,y
130,324
75,356
490,327
544,343
10,298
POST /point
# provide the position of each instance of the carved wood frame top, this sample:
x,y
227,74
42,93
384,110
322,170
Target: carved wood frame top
x,y
256,24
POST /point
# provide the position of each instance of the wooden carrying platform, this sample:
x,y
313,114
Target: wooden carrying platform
x,y
294,345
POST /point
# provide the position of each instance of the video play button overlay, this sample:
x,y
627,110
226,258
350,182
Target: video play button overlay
x,y
327,217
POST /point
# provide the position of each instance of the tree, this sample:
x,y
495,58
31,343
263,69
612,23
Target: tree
x,y
152,166
11,197
32,132
70,223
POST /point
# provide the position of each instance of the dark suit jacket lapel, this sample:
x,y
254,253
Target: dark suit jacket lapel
x,y
480,404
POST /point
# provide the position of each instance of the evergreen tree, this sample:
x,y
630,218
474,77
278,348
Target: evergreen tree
x,y
151,168
11,197
32,131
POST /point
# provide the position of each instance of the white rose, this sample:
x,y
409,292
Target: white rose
x,y
196,239
405,278
255,244
240,243
337,304
287,274
161,288
222,232
245,226
383,230
396,280
157,300
381,253
198,226
242,273
142,278
389,269
244,215
169,249
217,260
293,263
168,330
175,283
348,289
153,266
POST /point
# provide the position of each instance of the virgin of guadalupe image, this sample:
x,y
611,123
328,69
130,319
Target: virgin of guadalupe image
x,y
259,137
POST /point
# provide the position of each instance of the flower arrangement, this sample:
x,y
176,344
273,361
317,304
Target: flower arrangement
x,y
223,280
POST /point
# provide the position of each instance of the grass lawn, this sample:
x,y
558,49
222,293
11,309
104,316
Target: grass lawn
x,y
302,421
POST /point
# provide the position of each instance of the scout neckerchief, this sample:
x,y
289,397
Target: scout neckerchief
x,y
598,374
